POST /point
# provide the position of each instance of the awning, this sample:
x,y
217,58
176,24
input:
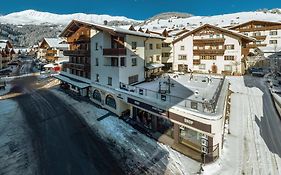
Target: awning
x,y
78,84
49,65
154,66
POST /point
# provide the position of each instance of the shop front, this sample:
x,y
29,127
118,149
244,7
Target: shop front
x,y
151,118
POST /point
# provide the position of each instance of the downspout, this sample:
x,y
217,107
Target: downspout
x,y
144,72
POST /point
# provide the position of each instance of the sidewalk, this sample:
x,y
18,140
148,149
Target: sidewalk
x,y
139,154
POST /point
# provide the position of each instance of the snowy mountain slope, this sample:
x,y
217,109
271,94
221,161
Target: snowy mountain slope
x,y
219,20
36,18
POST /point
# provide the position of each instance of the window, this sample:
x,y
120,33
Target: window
x,y
133,79
182,47
273,33
228,68
122,61
109,81
196,62
134,61
150,46
182,57
97,77
157,57
97,45
134,45
257,34
228,57
165,44
158,46
258,42
272,41
97,62
208,57
245,33
165,54
97,95
211,35
110,101
229,47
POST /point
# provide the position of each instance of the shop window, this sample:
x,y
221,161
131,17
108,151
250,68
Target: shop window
x,y
190,137
97,95
144,118
165,126
110,101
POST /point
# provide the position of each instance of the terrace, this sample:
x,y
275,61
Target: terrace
x,y
193,92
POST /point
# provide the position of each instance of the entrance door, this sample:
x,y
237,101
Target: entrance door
x,y
214,68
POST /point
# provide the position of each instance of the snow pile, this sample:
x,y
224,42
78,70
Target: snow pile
x,y
35,17
16,153
140,154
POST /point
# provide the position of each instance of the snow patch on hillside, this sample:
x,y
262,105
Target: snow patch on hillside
x,y
37,18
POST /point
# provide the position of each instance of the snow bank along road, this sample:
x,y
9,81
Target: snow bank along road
x,y
254,143
61,143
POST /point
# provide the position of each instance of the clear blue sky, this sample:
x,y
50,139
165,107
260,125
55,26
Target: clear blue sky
x,y
137,9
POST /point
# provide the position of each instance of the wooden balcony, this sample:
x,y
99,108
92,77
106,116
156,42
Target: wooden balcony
x,y
260,37
83,67
255,45
115,52
85,53
51,52
213,41
209,52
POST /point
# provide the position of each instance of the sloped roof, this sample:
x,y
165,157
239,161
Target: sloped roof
x,y
55,42
255,21
74,25
233,33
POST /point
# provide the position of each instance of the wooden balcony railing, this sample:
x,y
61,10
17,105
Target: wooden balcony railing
x,y
255,45
115,52
76,53
260,37
209,52
217,41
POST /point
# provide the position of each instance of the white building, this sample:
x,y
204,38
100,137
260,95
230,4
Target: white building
x,y
266,33
210,49
114,66
52,49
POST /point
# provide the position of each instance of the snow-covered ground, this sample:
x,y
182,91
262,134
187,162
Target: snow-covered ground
x,y
245,151
141,154
16,153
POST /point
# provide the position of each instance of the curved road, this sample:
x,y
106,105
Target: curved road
x,y
62,143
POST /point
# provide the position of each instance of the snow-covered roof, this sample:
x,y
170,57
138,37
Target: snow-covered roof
x,y
109,29
56,42
255,21
231,32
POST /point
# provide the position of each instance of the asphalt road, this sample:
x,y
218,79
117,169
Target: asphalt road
x,y
62,143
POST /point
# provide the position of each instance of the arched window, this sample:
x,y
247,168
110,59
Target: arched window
x,y
97,95
110,101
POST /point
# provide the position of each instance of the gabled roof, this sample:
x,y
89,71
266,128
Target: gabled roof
x,y
5,43
55,42
256,21
233,33
74,25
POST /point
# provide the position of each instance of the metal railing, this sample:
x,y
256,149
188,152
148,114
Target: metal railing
x,y
170,100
